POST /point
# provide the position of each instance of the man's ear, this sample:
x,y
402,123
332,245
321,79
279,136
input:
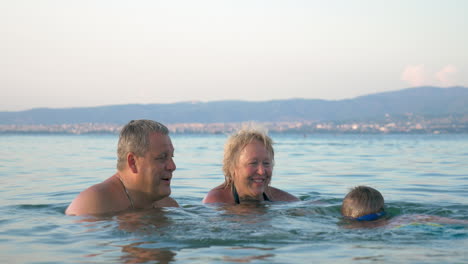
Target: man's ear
x,y
131,162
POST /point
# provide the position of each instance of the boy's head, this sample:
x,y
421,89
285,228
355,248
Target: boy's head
x,y
363,203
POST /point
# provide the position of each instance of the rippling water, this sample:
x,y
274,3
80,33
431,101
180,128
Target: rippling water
x,y
417,174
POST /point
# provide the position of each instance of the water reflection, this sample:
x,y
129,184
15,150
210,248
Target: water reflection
x,y
143,220
246,213
130,220
249,258
245,209
138,253
134,229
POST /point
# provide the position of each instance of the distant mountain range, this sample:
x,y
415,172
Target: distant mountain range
x,y
424,101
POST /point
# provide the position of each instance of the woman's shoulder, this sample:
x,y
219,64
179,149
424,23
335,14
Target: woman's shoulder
x,y
219,194
278,195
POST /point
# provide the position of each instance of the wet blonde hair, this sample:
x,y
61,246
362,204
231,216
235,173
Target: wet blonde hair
x,y
134,137
237,142
362,200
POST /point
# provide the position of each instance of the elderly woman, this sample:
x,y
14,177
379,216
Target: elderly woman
x,y
248,167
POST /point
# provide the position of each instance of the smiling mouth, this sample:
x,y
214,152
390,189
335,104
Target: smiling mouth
x,y
258,180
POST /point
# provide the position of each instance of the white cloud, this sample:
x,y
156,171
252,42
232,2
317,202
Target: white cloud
x,y
415,75
446,76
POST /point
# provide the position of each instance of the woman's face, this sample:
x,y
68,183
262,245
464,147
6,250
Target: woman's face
x,y
253,171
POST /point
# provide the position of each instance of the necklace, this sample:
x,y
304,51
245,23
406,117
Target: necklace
x,y
126,192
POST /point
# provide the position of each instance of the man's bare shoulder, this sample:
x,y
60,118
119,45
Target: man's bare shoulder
x,y
97,199
282,196
88,201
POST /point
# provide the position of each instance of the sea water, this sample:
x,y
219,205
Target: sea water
x,y
417,174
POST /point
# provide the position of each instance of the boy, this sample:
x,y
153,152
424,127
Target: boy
x,y
365,205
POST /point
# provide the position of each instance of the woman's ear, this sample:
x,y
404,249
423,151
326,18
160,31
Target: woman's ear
x,y
233,175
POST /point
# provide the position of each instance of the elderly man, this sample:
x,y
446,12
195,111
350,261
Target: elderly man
x,y
144,172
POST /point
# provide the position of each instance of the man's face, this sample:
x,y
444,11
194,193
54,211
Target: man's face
x,y
156,166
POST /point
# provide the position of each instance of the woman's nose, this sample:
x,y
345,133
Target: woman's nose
x,y
260,169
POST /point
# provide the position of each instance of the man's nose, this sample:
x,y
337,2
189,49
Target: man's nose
x,y
171,165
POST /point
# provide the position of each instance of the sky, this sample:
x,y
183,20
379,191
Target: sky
x,y
61,54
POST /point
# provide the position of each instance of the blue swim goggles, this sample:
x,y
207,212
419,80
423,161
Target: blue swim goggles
x,y
370,217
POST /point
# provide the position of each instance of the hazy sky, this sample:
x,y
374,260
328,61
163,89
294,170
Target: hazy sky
x,y
90,53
